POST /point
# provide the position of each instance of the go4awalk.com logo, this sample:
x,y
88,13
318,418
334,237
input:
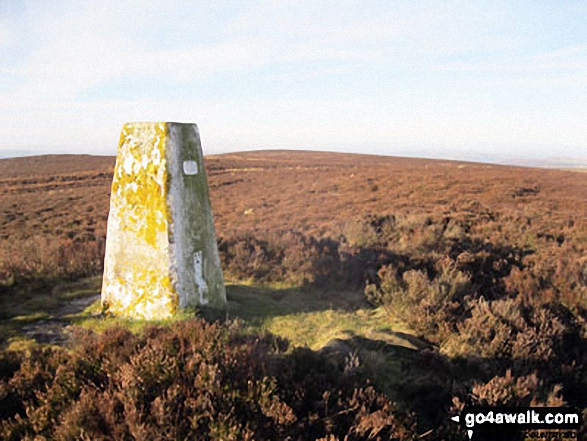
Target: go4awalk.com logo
x,y
499,422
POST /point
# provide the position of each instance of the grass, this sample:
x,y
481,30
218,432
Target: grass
x,y
312,318
304,316
473,213
373,338
308,317
53,310
316,329
47,298
22,310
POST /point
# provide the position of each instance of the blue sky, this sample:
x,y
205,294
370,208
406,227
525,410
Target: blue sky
x,y
466,80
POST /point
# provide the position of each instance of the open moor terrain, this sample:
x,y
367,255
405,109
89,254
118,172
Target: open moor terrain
x,y
422,285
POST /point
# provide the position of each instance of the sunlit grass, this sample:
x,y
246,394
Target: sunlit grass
x,y
316,329
312,318
304,316
93,319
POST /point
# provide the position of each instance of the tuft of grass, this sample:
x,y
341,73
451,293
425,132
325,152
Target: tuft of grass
x,y
312,318
20,309
315,329
92,319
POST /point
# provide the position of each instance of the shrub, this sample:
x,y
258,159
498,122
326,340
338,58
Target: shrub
x,y
369,231
192,380
43,260
509,390
502,329
286,257
429,305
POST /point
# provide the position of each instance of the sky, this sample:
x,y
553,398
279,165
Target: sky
x,y
452,79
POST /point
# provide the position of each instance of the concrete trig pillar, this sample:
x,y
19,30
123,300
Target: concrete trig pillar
x,y
161,250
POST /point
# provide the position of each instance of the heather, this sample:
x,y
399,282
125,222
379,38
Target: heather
x,y
405,288
192,380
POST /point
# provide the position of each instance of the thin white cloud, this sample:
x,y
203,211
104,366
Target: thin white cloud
x,y
564,53
400,73
92,44
83,49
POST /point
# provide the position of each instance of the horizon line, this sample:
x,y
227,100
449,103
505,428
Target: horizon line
x,y
551,162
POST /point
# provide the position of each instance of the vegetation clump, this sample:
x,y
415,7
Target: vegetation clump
x,y
192,380
486,264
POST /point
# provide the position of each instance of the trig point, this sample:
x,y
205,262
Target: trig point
x,y
161,250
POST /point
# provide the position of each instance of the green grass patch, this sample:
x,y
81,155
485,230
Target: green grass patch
x,y
92,319
371,337
20,308
315,329
307,317
304,316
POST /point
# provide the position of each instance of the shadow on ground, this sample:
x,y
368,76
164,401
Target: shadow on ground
x,y
43,315
260,303
306,316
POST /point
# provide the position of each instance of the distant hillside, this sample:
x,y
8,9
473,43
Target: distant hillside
x,y
445,282
309,191
47,165
569,163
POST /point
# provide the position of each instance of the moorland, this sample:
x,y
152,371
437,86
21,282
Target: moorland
x,y
369,298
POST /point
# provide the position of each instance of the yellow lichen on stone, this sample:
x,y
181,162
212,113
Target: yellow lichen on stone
x,y
140,215
161,250
144,297
141,180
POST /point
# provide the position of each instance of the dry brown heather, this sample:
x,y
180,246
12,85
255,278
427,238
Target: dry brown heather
x,y
54,195
313,192
487,263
